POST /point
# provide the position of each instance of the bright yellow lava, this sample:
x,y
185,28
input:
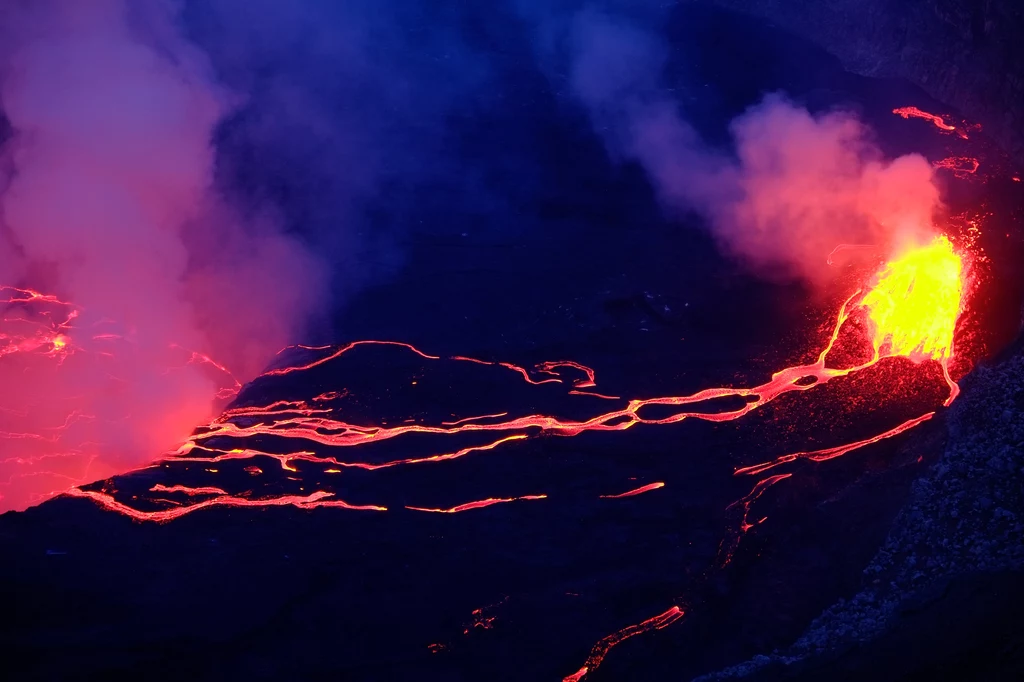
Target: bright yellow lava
x,y
915,303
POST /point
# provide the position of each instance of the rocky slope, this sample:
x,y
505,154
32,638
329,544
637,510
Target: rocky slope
x,y
956,544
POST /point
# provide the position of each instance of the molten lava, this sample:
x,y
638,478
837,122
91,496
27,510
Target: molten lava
x,y
909,310
600,650
960,166
915,303
914,112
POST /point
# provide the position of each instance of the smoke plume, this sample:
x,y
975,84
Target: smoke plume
x,y
109,203
170,167
795,186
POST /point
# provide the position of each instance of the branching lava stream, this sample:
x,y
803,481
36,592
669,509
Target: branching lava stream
x,y
908,310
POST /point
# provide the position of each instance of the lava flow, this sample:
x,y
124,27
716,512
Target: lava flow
x,y
914,112
908,310
83,395
960,166
600,650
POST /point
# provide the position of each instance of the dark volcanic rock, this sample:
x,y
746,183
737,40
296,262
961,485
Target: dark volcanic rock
x,y
954,555
963,52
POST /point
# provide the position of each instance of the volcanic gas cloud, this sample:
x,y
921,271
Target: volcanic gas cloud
x,y
797,184
108,205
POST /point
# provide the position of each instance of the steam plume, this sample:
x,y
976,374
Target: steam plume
x,y
109,203
797,185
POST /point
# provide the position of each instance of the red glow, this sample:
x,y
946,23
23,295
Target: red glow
x,y
847,248
61,360
960,166
592,394
600,650
909,310
837,451
914,112
208,490
311,501
479,504
728,547
636,491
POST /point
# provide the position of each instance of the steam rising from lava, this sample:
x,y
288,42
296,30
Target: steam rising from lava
x,y
797,185
109,202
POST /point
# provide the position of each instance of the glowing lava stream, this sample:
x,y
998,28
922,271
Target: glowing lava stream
x,y
912,308
601,649
636,491
914,112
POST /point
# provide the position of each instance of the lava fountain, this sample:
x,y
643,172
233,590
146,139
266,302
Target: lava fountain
x,y
915,303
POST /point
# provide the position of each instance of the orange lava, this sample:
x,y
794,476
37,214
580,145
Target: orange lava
x,y
833,452
729,545
600,650
911,309
479,504
636,491
311,501
960,166
915,303
914,112
206,490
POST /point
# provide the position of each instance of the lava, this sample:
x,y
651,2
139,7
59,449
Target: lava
x,y
479,504
311,501
960,166
601,649
826,454
937,121
915,304
908,309
636,491
911,309
75,374
728,546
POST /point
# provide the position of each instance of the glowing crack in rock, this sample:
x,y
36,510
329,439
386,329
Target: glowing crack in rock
x,y
636,491
728,546
479,504
604,645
